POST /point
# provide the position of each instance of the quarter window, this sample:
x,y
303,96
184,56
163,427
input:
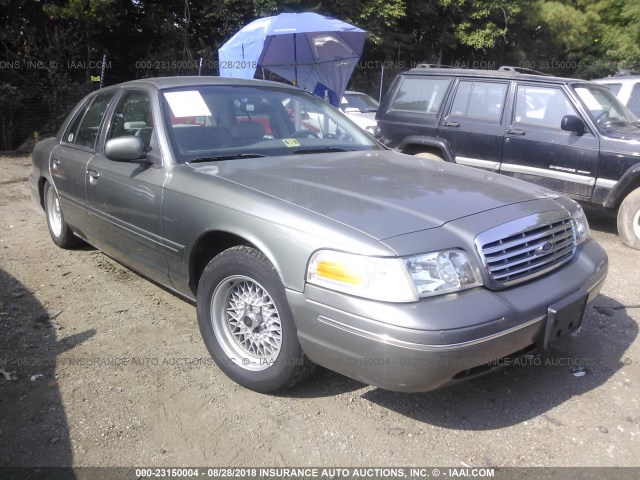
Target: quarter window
x,y
420,95
133,116
483,100
87,132
542,106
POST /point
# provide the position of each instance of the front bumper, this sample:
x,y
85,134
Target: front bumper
x,y
403,347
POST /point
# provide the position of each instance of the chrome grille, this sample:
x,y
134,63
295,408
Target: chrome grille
x,y
526,248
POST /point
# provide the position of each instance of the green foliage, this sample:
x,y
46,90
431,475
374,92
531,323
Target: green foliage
x,y
481,25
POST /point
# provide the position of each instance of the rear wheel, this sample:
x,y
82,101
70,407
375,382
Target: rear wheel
x,y
60,232
629,220
247,324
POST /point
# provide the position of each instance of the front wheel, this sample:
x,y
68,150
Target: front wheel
x,y
629,220
247,324
60,232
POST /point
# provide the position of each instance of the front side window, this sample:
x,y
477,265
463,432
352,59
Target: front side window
x,y
87,132
420,95
132,116
208,123
484,100
603,106
541,106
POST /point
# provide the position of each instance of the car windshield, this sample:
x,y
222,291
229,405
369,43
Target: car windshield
x,y
359,101
604,107
217,122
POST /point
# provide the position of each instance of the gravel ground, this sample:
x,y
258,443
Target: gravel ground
x,y
99,367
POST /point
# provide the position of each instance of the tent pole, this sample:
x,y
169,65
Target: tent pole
x,y
381,80
295,58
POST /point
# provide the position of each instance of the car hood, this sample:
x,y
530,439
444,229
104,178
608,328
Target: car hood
x,y
381,193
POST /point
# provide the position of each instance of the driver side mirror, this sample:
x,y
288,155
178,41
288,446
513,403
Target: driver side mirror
x,y
124,149
571,123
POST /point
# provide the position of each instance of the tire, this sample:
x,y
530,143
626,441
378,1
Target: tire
x,y
629,220
247,324
60,232
429,156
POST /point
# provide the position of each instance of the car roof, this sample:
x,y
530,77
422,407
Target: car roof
x,y
162,83
510,73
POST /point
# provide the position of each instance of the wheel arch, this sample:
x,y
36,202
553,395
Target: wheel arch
x,y
213,242
627,184
417,143
41,183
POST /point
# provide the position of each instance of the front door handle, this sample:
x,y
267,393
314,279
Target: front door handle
x,y
93,176
451,124
515,131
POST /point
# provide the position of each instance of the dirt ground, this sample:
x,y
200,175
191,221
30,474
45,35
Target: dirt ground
x,y
99,367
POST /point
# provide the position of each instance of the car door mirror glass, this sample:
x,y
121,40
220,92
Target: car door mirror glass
x,y
124,149
571,123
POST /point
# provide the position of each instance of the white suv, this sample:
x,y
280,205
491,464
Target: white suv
x,y
626,88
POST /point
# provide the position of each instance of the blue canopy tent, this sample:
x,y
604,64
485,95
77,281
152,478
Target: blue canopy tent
x,y
314,52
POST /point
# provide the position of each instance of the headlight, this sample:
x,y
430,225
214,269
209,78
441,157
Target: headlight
x,y
442,272
383,279
580,224
393,279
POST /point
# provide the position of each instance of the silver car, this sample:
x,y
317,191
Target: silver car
x,y
304,247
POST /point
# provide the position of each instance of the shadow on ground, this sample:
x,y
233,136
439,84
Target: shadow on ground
x,y
602,220
34,426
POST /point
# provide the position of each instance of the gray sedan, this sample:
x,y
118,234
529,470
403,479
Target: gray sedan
x,y
308,243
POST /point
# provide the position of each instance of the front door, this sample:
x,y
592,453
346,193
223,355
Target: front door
x,y
537,150
125,198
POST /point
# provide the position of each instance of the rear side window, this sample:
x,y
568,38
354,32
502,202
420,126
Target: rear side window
x,y
542,106
484,100
84,128
420,95
634,100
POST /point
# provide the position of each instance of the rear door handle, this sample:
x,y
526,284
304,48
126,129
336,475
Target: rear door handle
x,y
451,124
93,173
515,131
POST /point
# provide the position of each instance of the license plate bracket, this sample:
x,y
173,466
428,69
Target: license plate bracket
x,y
564,317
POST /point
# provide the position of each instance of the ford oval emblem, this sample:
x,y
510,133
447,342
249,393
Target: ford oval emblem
x,y
544,247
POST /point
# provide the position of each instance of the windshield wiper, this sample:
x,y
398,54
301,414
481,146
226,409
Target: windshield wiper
x,y
232,156
321,150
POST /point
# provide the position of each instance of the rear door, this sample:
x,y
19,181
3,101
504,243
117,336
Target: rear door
x,y
414,109
537,150
474,125
69,159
